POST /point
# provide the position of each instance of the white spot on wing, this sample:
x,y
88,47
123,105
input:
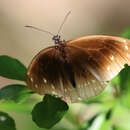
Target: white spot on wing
x,y
108,68
54,93
28,73
65,90
94,81
128,55
126,47
124,40
52,86
31,79
112,58
45,81
36,86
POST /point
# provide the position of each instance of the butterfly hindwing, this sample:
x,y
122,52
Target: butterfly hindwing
x,y
69,79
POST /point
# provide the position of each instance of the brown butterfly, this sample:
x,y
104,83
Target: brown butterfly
x,y
77,69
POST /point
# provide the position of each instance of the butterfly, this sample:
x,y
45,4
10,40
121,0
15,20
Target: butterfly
x,y
77,69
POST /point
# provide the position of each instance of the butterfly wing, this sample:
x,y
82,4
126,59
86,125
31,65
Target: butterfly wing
x,y
89,62
44,71
70,79
107,54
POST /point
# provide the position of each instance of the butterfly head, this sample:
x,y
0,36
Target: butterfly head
x,y
57,40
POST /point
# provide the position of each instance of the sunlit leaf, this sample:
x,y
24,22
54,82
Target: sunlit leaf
x,y
16,107
105,125
12,68
125,99
48,112
15,92
6,122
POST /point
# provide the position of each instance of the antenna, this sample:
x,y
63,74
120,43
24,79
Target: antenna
x,y
32,27
42,30
63,22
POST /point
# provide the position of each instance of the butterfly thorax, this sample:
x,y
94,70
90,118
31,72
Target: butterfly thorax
x,y
59,45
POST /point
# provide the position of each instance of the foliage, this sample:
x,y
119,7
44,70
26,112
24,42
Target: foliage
x,y
126,34
49,111
15,92
12,68
6,122
112,105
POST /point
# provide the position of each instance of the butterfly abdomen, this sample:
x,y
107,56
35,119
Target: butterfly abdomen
x,y
69,72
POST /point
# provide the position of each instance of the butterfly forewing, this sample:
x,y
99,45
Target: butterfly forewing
x,y
107,54
44,71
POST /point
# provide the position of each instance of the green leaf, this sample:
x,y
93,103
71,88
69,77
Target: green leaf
x,y
106,125
15,92
125,78
12,68
48,112
126,33
125,99
6,122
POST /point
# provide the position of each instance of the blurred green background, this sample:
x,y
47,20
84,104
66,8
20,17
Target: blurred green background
x,y
87,18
